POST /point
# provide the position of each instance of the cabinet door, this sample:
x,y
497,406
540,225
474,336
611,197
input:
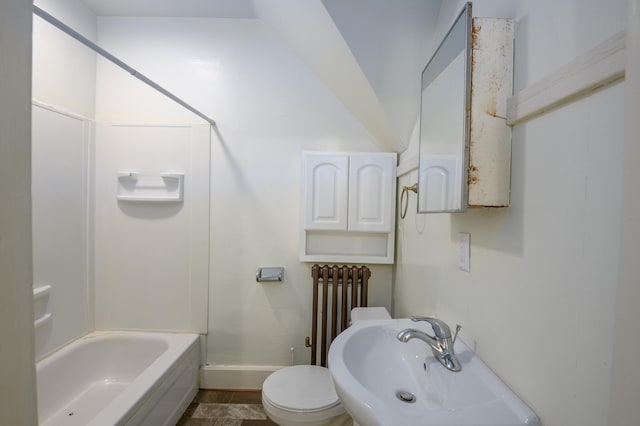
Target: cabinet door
x,y
326,191
371,193
440,178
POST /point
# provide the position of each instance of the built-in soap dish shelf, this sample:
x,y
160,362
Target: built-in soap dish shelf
x,y
41,291
42,320
154,188
41,295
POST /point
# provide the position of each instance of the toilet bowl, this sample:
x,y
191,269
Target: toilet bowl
x,y
304,395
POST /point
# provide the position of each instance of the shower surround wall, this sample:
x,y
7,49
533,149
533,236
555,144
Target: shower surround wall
x,y
269,107
64,76
539,303
151,258
60,224
110,264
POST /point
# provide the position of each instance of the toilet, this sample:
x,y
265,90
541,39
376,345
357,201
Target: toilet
x,y
304,395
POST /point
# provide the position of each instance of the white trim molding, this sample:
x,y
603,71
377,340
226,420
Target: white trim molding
x,y
601,66
235,377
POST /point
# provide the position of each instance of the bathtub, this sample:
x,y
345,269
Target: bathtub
x,y
119,378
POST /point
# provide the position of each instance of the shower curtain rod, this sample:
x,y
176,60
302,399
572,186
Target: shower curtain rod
x,y
91,45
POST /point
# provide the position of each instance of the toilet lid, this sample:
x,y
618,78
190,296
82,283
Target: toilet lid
x,y
301,388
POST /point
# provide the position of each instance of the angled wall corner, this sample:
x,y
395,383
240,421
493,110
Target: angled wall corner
x,y
310,32
392,42
624,378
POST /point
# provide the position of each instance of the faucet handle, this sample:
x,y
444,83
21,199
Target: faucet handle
x,y
455,336
440,328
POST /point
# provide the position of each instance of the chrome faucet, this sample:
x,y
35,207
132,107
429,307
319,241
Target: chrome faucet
x,y
441,344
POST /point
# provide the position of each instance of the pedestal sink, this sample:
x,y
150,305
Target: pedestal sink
x,y
384,382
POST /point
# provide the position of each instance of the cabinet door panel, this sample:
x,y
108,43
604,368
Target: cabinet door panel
x,y
326,186
371,180
440,177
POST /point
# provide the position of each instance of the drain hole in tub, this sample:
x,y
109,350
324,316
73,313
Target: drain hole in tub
x,y
71,413
405,396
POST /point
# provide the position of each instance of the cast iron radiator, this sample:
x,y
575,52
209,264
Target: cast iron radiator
x,y
334,282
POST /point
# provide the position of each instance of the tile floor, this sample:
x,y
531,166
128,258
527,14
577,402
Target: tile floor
x,y
226,408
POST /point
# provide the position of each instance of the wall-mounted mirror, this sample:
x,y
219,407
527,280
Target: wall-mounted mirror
x,y
444,122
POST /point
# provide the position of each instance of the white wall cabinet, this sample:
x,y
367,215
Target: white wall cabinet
x,y
348,207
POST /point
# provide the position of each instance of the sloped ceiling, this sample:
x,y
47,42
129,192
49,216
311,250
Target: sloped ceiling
x,y
392,42
369,53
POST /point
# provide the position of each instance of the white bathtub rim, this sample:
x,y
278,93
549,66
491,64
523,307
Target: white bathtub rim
x,y
57,349
144,384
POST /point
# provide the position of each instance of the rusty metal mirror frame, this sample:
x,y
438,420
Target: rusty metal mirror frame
x,y
457,40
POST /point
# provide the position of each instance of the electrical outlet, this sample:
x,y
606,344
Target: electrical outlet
x,y
464,251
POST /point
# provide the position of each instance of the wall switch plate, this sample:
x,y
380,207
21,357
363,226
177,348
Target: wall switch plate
x,y
464,251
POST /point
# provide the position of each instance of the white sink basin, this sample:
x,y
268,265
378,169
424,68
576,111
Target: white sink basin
x,y
370,366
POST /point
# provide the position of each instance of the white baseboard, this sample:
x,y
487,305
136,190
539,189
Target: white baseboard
x,y
236,377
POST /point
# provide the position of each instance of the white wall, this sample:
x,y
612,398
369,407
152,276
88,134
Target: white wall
x,y
269,107
17,372
539,304
64,70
